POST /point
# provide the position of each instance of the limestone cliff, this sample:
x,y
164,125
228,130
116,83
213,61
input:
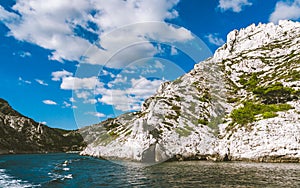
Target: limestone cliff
x,y
241,104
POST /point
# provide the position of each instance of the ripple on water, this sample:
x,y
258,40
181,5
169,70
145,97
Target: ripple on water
x,y
61,170
7,181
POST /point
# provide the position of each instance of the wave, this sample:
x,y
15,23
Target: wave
x,y
7,181
59,174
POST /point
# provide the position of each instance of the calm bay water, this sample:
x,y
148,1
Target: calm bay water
x,y
72,170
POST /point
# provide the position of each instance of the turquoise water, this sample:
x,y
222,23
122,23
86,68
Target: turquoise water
x,y
72,170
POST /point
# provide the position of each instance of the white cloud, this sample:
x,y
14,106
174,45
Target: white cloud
x,y
144,88
233,5
128,71
118,80
131,98
52,25
120,101
68,105
41,82
49,102
126,45
48,25
83,94
7,17
97,114
25,54
159,65
72,99
90,101
105,73
174,51
22,54
58,75
24,81
286,10
127,99
43,122
215,40
74,83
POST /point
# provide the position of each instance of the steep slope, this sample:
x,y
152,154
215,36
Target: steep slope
x,y
241,104
19,134
262,65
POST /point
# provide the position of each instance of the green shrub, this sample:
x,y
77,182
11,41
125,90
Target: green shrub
x,y
156,133
251,82
275,93
203,121
177,81
267,115
112,133
176,108
232,100
189,128
247,113
294,75
182,132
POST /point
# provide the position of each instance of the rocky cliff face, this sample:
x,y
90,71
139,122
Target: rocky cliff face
x,y
19,134
241,104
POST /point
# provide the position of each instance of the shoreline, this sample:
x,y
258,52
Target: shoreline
x,y
34,153
213,158
178,158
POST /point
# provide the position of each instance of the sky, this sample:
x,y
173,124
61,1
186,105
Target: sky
x,y
74,63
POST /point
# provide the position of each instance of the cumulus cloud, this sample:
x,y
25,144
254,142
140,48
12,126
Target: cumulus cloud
x,y
90,101
58,75
118,80
54,25
286,10
7,17
105,73
83,94
23,54
68,105
233,5
74,83
41,82
49,102
128,96
174,51
143,88
97,114
129,99
158,65
126,45
72,99
215,40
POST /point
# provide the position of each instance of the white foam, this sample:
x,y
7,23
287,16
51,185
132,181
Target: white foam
x,y
69,176
7,181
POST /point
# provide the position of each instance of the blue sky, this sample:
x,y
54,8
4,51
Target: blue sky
x,y
73,63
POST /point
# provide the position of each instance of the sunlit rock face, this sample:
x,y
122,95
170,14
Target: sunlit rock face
x,y
20,134
241,104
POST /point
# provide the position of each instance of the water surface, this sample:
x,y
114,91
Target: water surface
x,y
72,170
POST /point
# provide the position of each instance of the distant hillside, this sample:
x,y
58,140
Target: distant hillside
x,y
20,134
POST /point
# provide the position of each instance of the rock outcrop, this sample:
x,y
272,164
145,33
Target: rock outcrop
x,y
19,134
241,104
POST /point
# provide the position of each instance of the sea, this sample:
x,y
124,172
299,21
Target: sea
x,y
72,170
